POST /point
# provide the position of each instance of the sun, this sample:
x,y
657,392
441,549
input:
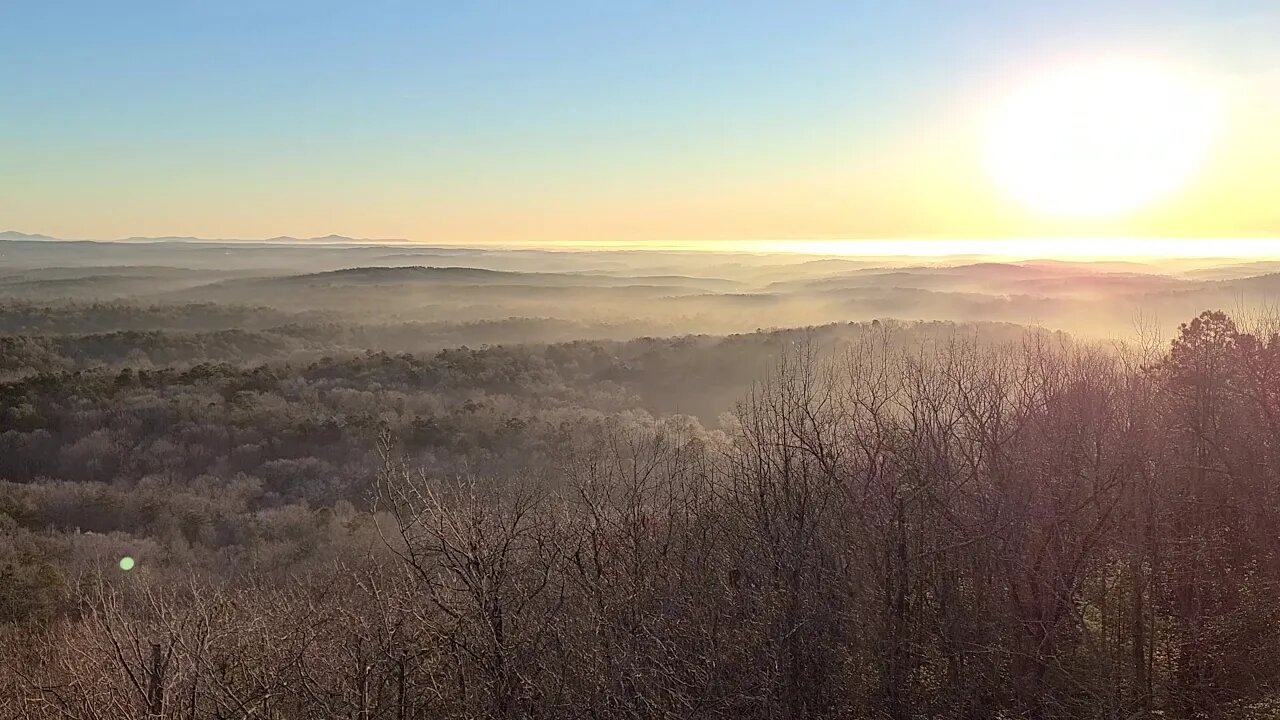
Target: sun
x,y
1100,139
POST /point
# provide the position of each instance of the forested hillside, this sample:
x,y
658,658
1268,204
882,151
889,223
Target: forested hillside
x,y
873,520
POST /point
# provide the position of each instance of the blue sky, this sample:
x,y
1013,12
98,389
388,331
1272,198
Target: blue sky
x,y
420,118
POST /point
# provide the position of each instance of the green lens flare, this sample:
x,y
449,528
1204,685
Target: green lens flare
x,y
126,563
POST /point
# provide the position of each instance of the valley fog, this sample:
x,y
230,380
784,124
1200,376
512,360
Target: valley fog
x,y
79,305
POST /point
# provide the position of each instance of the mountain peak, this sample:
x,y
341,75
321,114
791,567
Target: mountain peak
x,y
15,235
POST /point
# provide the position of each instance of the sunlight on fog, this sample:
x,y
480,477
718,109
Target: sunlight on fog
x,y
1077,248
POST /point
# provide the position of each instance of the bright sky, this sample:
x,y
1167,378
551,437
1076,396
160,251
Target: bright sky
x,y
765,124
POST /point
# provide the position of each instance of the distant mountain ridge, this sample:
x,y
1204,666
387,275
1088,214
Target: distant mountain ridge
x,y
15,235
278,240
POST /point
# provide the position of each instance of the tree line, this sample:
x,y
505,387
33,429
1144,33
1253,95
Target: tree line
x,y
941,527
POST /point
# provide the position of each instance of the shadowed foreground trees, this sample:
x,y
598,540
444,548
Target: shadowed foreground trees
x,y
939,529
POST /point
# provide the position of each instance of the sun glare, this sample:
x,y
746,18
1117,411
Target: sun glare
x,y
1100,139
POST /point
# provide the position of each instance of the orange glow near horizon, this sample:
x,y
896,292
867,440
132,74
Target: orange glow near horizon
x,y
1119,154
1002,248
1097,147
1074,248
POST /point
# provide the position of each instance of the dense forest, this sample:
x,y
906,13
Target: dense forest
x,y
869,520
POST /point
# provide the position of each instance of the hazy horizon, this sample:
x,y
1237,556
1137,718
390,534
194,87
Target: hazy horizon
x,y
934,248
